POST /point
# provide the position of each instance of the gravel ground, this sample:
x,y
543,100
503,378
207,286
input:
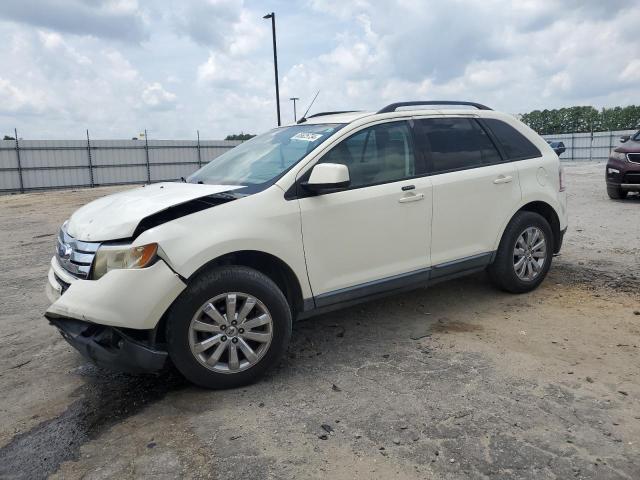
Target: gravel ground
x,y
455,381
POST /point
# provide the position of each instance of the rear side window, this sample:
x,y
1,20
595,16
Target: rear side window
x,y
456,144
514,145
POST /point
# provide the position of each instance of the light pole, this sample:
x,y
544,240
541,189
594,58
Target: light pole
x,y
272,16
294,108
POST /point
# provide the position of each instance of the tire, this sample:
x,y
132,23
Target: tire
x,y
503,269
616,193
189,312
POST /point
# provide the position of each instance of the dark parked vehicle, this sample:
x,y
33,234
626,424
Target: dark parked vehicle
x,y
623,168
558,147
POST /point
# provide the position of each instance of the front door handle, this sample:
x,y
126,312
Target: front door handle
x,y
503,179
412,198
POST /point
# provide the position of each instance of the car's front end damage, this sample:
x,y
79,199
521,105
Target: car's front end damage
x,y
112,318
109,290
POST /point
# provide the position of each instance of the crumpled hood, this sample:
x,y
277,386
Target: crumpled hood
x,y
116,216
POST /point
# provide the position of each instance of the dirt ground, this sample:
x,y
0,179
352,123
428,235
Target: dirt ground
x,y
454,381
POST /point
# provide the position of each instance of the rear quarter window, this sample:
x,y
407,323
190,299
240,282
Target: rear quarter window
x,y
514,145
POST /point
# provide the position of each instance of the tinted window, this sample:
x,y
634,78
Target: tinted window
x,y
513,143
456,144
379,154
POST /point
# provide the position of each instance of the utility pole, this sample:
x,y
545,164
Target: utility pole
x,y
272,16
295,119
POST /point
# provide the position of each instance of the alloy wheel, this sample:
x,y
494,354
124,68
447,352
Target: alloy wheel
x,y
529,254
230,332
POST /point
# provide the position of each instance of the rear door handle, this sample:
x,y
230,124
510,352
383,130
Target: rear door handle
x,y
412,198
503,179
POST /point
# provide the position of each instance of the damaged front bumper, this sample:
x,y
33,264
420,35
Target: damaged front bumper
x,y
127,298
112,321
109,347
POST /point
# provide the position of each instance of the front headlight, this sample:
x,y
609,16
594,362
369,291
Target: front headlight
x,y
112,257
622,157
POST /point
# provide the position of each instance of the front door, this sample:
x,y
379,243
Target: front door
x,y
376,231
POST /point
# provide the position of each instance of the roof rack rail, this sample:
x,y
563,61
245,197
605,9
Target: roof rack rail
x,y
394,106
322,114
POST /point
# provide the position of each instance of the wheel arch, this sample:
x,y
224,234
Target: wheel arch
x,y
270,265
549,213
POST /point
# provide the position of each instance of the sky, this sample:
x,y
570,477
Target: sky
x,y
117,67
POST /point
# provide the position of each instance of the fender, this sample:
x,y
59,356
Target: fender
x,y
261,222
520,207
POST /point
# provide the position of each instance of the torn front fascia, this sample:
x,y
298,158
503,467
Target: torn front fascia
x,y
109,347
184,209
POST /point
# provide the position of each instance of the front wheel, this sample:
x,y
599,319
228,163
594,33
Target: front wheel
x,y
616,193
524,255
228,327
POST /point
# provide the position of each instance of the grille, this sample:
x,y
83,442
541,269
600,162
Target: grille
x,y
633,157
633,178
74,255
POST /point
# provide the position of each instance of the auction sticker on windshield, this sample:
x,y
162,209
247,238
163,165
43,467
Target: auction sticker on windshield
x,y
306,137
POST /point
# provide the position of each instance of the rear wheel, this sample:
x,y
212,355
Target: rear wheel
x,y
524,255
228,327
616,193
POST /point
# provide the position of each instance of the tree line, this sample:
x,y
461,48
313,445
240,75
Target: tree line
x,y
240,136
583,119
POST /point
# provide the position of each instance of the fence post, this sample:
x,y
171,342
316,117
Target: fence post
x,y
572,144
610,141
199,156
15,132
591,144
146,151
89,158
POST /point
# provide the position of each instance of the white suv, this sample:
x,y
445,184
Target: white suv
x,y
339,208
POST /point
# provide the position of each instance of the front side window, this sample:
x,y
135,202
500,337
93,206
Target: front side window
x,y
379,154
514,145
265,157
456,144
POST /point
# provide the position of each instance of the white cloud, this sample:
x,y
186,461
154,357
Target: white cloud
x,y
120,20
119,66
631,72
18,100
156,97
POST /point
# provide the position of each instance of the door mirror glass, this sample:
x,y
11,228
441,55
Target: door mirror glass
x,y
624,138
327,177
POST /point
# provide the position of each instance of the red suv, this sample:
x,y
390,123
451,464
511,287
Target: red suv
x,y
623,168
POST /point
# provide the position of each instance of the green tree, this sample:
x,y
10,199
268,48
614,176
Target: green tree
x,y
240,136
581,119
8,137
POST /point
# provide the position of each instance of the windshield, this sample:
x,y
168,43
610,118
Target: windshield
x,y
265,157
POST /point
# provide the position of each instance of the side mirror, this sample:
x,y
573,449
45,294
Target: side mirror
x,y
328,177
624,138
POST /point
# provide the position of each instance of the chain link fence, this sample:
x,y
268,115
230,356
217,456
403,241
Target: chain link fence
x,y
29,165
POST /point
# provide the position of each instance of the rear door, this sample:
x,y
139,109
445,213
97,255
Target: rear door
x,y
474,189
